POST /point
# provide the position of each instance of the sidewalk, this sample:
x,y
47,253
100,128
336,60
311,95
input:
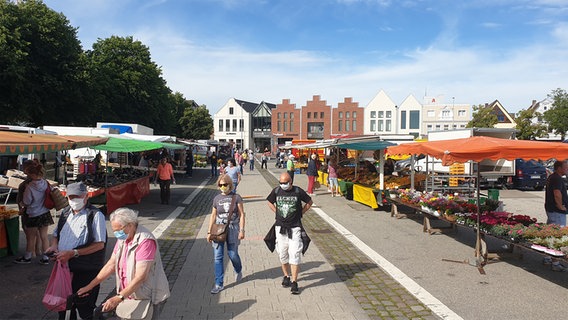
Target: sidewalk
x,y
323,295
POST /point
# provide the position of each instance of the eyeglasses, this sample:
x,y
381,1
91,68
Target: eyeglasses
x,y
223,184
283,182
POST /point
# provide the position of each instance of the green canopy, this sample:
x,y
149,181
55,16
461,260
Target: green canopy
x,y
172,146
127,145
364,145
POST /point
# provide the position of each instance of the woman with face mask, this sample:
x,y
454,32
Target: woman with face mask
x,y
222,204
136,263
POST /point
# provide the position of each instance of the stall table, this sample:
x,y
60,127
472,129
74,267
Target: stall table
x,y
365,195
426,226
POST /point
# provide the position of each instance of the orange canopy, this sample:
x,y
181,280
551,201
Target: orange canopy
x,y
481,148
12,143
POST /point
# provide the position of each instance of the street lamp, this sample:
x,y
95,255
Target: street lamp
x,y
242,125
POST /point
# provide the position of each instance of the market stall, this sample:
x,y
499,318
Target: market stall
x,y
477,149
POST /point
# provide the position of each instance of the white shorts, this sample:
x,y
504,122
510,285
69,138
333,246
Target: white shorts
x,y
289,250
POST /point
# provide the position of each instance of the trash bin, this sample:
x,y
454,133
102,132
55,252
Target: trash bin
x,y
13,234
493,194
3,240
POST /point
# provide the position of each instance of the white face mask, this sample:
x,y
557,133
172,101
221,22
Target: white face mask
x,y
77,203
285,186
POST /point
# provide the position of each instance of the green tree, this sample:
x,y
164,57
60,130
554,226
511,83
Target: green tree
x,y
483,117
180,104
196,123
557,116
128,86
40,65
527,129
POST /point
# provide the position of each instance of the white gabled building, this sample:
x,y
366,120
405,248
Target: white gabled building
x,y
438,115
380,115
232,123
410,117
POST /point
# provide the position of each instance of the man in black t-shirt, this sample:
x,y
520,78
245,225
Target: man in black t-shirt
x,y
556,203
286,202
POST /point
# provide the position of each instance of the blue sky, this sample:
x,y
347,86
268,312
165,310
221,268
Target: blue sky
x,y
254,50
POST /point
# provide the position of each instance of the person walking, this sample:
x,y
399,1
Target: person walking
x,y
165,176
222,205
290,167
251,159
189,163
264,159
135,262
213,162
332,177
556,204
80,240
233,172
286,202
36,218
312,173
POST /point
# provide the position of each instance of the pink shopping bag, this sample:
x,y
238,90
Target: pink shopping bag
x,y
58,288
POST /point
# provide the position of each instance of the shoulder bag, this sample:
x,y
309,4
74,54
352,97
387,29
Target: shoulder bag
x,y
219,231
135,309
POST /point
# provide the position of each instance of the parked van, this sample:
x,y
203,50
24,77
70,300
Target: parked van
x,y
529,174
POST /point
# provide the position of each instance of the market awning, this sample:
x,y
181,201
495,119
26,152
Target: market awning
x,y
172,146
364,145
127,145
14,143
481,148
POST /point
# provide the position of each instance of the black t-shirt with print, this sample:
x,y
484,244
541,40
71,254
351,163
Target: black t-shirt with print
x,y
288,205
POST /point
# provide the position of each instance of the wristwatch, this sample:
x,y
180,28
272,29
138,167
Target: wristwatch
x,y
75,253
120,296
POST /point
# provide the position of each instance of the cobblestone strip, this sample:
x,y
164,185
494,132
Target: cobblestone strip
x,y
378,294
177,240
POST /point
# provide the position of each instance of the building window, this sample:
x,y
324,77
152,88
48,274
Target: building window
x,y
220,125
461,113
231,110
389,115
340,115
285,115
373,114
354,114
455,126
347,115
340,125
438,127
388,125
446,127
403,119
381,126
241,125
431,113
414,119
278,126
315,115
429,127
309,115
291,125
291,115
285,125
354,125
278,115
227,125
381,114
234,124
445,113
373,125
321,115
501,118
347,123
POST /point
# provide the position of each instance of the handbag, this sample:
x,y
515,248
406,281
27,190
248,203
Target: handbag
x,y
48,200
59,200
135,309
218,232
58,288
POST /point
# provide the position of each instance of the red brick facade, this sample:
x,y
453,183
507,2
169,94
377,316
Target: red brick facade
x,y
348,118
285,122
316,120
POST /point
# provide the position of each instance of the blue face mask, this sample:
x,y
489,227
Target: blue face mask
x,y
120,235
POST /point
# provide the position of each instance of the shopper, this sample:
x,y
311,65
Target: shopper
x,y
236,231
213,162
251,159
37,218
332,177
556,204
189,163
233,172
290,167
312,173
135,262
286,202
165,176
264,159
22,212
80,239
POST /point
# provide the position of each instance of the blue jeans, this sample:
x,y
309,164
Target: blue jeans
x,y
218,253
214,171
556,218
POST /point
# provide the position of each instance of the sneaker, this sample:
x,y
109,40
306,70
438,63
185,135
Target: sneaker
x,y
547,261
286,282
44,261
23,260
294,288
216,289
559,268
239,276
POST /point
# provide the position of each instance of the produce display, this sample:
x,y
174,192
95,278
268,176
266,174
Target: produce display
x,y
6,213
117,176
372,179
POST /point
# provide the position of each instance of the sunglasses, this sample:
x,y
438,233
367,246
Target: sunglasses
x,y
283,182
223,184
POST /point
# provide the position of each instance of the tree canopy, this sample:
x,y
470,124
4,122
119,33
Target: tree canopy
x,y
527,128
196,123
483,117
557,116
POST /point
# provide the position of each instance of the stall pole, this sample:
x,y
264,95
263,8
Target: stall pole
x,y
412,159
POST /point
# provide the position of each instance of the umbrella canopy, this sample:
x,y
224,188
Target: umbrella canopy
x,y
127,145
14,143
481,148
172,146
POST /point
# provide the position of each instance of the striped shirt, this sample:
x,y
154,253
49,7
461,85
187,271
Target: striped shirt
x,y
75,231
